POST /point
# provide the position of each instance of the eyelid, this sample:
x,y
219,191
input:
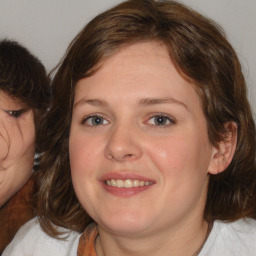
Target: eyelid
x,y
15,113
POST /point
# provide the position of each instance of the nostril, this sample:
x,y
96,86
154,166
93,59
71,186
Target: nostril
x,y
109,156
121,157
128,155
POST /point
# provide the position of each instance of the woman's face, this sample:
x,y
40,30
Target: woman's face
x,y
139,150
17,145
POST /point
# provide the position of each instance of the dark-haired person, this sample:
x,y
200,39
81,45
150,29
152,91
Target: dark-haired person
x,y
24,98
151,142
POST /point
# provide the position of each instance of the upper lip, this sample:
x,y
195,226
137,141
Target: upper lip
x,y
124,176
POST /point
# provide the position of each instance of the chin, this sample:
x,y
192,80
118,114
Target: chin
x,y
126,223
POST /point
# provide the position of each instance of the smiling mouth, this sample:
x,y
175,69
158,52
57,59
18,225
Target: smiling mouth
x,y
127,183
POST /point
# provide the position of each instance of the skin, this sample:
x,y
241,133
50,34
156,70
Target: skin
x,y
17,145
127,95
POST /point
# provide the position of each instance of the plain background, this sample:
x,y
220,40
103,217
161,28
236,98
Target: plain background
x,y
46,27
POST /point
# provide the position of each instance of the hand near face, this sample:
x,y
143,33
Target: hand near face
x,y
17,145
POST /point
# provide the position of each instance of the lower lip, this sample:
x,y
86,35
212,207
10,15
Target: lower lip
x,y
125,192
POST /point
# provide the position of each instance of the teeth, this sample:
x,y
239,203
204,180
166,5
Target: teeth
x,y
120,183
127,183
136,183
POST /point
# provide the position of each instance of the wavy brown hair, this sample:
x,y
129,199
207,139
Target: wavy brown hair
x,y
200,51
23,76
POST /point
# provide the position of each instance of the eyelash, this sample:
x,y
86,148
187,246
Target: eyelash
x,y
167,121
15,113
164,117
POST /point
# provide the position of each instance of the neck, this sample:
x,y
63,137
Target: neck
x,y
179,242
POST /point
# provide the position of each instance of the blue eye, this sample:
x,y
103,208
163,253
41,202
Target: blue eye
x,y
15,113
94,120
160,120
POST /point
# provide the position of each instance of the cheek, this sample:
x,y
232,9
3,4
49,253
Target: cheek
x,y
183,164
180,155
84,153
4,142
26,139
29,135
169,153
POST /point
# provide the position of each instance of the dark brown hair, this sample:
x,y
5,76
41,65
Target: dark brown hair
x,y
200,52
23,76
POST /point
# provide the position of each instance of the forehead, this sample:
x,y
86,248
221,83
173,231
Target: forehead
x,y
137,71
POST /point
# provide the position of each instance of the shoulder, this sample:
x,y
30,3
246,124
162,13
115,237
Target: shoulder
x,y
232,239
32,240
243,230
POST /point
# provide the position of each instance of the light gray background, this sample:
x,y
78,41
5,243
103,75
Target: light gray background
x,y
47,26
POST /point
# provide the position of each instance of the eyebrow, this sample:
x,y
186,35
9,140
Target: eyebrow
x,y
156,101
92,102
142,102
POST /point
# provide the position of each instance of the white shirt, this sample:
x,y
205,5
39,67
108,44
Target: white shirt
x,y
226,239
31,240
231,239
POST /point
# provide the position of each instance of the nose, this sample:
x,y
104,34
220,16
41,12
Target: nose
x,y
123,144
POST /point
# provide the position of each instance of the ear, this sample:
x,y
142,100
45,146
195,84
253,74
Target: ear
x,y
223,155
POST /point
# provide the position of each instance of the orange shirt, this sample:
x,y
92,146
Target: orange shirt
x,y
86,246
16,212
